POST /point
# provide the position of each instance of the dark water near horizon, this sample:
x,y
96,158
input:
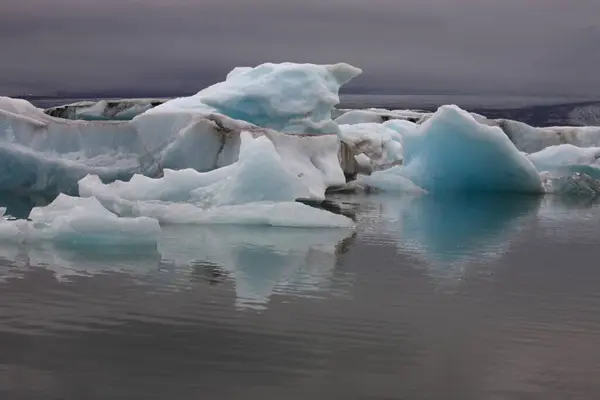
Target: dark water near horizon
x,y
430,298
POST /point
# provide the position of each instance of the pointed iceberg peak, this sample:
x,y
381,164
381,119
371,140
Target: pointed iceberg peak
x,y
343,73
288,97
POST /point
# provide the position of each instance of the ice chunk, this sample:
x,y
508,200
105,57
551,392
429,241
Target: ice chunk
x,y
453,152
259,189
530,140
43,153
50,155
261,174
389,180
288,97
572,185
567,159
382,145
84,221
81,222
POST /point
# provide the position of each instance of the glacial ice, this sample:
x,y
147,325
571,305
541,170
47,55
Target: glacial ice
x,y
565,156
288,97
451,151
388,180
382,145
250,146
80,222
531,140
104,110
259,189
46,154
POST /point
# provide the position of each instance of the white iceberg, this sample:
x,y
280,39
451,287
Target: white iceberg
x,y
259,189
531,140
46,154
43,153
80,222
565,156
288,97
453,152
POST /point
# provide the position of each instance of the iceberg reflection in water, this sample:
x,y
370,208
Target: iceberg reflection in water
x,y
452,236
450,231
262,261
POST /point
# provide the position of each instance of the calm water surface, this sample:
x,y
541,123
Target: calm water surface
x,y
430,298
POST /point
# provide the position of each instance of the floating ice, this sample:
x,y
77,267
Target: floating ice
x,y
259,189
576,184
43,153
382,145
295,98
82,222
122,109
566,159
46,154
530,140
453,152
389,180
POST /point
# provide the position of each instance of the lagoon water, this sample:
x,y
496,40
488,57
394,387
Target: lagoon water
x,y
433,297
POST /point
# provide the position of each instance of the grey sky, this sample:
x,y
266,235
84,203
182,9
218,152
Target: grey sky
x,y
545,47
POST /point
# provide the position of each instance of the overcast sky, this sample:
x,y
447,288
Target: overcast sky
x,y
530,47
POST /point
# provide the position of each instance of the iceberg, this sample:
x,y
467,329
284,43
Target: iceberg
x,y
80,222
103,110
259,189
382,145
574,185
531,140
567,158
40,153
451,151
287,97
